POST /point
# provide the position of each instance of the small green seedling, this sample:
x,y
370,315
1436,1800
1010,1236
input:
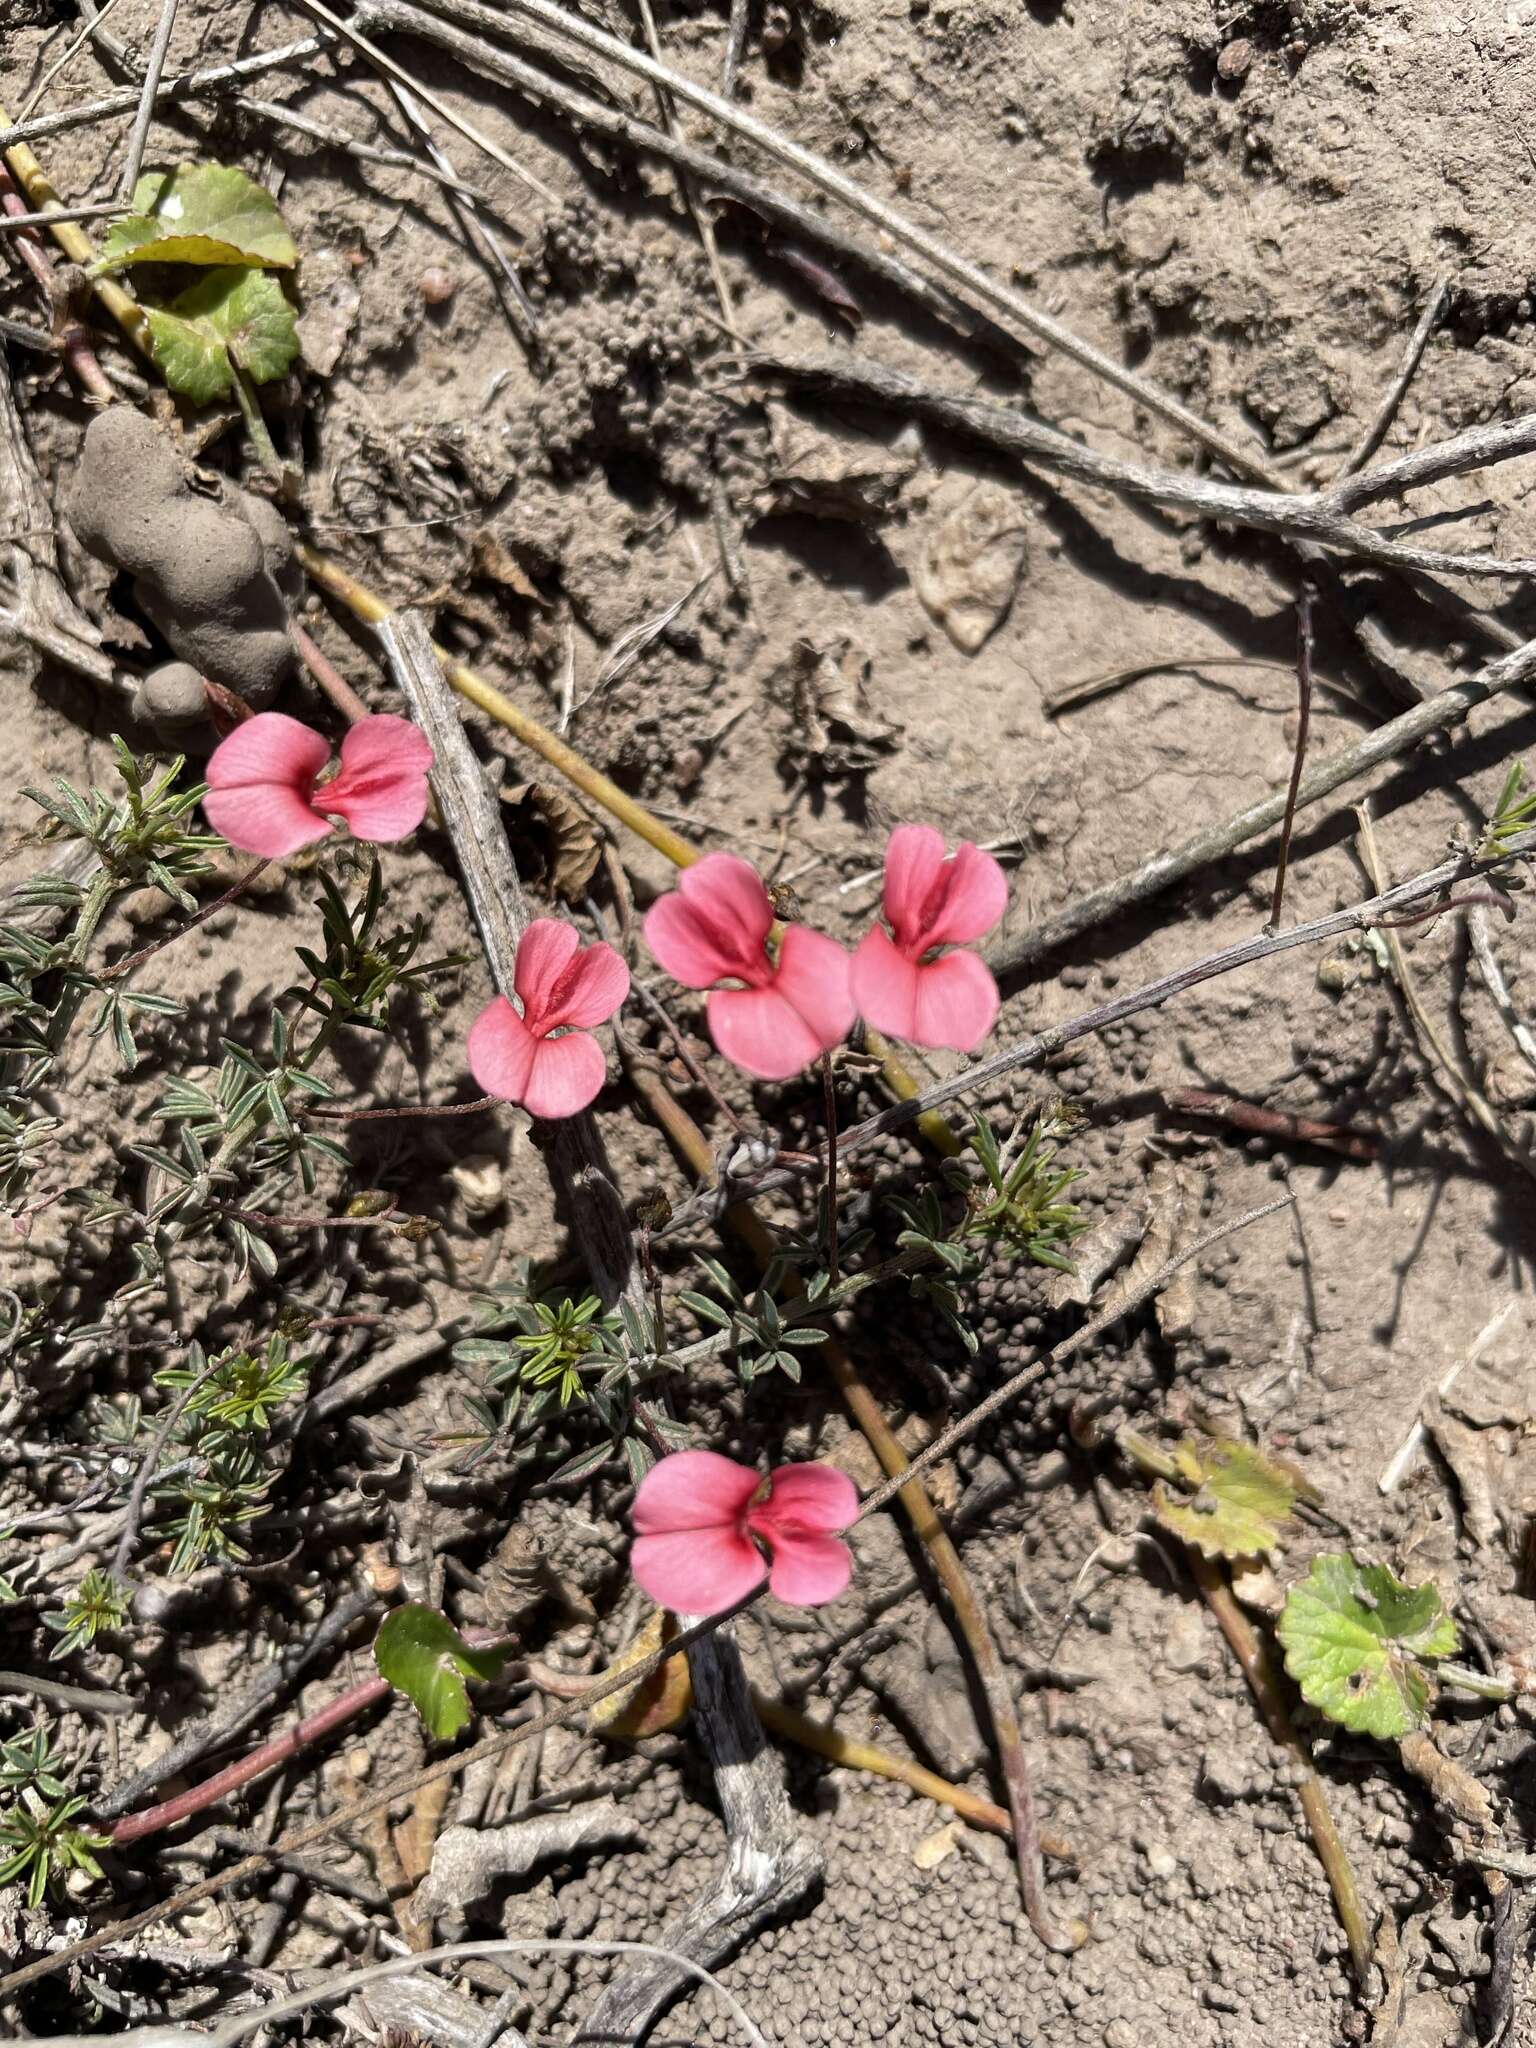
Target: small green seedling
x,y
233,327
422,1654
41,1846
97,1606
1358,1643
1515,812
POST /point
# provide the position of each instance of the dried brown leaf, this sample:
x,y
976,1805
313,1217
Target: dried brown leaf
x,y
560,833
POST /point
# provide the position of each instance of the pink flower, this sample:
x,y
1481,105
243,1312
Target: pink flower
x,y
265,795
703,1522
714,927
559,982
930,902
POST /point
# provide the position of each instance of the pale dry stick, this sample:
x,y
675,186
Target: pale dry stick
x,y
477,232
210,81
1447,708
115,51
1366,916
400,18
138,137
696,213
1320,518
1377,429
353,145
473,823
1084,691
92,25
351,1979
1481,937
385,63
735,43
614,1681
1400,1463
58,1694
90,209
1299,755
999,298
1463,1090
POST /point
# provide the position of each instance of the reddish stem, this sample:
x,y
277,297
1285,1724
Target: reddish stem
x,y
329,677
121,967
1272,1123
151,1820
74,343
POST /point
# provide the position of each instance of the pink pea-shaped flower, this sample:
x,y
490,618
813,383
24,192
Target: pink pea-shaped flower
x,y
564,987
901,984
786,1012
266,796
708,1531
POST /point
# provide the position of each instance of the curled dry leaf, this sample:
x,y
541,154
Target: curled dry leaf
x,y
971,566
658,1702
559,832
846,475
1236,1502
495,561
833,731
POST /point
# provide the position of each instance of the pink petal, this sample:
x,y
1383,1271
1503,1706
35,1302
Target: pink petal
x,y
692,1490
501,1049
808,1499
807,1571
884,984
382,788
259,784
972,898
914,855
813,975
956,1002
543,954
713,925
762,1032
567,1074
694,1573
561,983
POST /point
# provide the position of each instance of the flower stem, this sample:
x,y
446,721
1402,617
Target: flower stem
x,y
1326,1839
922,1514
829,1099
365,604
255,423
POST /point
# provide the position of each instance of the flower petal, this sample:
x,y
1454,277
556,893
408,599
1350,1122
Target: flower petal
x,y
590,990
972,898
805,1498
692,1490
813,976
713,925
956,1003
914,855
762,1032
884,984
807,1571
692,1573
382,788
567,1074
543,953
501,1049
259,784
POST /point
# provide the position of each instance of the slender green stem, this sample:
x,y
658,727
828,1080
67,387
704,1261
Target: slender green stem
x,y
255,424
1475,1682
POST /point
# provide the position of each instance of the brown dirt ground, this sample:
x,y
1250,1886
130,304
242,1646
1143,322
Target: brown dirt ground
x,y
1259,244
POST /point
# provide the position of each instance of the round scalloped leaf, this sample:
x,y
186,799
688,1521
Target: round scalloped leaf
x,y
200,213
1240,1499
1356,1640
228,314
422,1654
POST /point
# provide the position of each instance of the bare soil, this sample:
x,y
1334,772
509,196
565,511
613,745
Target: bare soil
x,y
1249,204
